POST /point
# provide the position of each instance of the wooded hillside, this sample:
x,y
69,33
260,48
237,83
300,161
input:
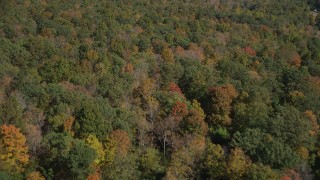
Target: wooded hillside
x,y
174,89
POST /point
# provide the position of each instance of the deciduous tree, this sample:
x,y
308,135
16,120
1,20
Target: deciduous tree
x,y
215,163
238,164
13,149
220,101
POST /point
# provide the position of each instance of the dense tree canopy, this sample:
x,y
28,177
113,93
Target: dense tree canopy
x,y
139,89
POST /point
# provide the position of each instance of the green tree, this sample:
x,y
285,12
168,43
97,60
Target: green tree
x,y
67,157
215,163
11,112
260,171
91,119
265,148
151,163
125,167
292,127
196,79
55,70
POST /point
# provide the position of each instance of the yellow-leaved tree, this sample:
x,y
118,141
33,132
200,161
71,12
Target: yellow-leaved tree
x,y
95,144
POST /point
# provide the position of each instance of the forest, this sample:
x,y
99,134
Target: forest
x,y
167,89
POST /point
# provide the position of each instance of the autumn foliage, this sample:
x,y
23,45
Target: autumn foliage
x,y
238,164
179,110
119,141
169,89
313,121
13,148
248,50
194,52
35,175
167,55
221,99
173,87
67,125
296,60
95,175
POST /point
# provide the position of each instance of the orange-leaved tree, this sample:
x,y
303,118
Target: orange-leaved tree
x,y
13,149
117,145
35,175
